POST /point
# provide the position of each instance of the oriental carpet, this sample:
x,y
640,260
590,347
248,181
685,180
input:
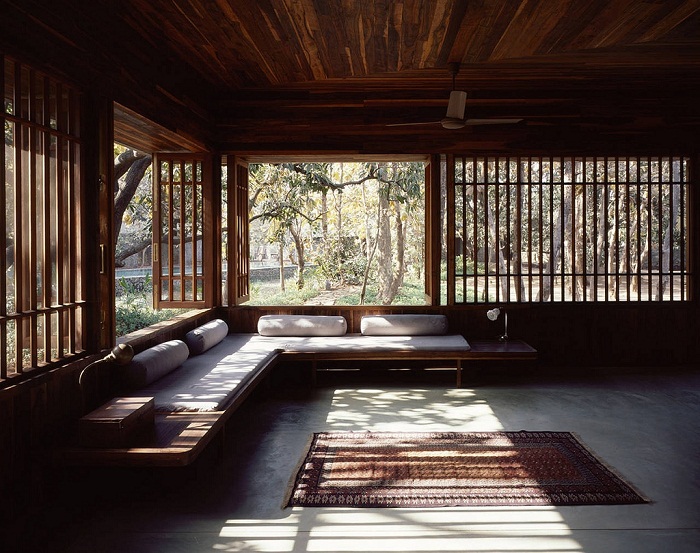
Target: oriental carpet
x,y
433,469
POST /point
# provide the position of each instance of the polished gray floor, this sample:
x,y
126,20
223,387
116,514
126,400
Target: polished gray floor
x,y
647,427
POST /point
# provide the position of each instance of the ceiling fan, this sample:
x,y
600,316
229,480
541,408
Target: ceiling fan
x,y
454,119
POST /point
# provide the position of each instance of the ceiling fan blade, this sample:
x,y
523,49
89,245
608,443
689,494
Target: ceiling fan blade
x,y
492,121
411,124
455,108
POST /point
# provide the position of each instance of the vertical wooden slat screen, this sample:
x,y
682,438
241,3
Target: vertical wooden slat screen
x,y
41,185
546,229
183,265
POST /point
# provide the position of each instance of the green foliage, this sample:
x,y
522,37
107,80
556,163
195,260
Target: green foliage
x,y
134,309
411,293
344,261
269,293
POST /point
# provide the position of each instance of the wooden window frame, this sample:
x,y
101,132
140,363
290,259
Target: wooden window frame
x,y
237,236
42,316
194,285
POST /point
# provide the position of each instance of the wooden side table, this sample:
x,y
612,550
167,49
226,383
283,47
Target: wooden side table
x,y
497,350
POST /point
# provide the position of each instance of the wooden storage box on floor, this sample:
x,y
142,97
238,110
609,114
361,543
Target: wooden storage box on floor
x,y
117,423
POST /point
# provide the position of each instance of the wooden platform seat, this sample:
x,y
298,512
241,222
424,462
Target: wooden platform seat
x,y
198,383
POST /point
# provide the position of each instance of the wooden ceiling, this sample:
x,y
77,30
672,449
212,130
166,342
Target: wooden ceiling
x,y
330,75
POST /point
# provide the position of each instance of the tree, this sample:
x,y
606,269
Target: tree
x,y
295,197
130,167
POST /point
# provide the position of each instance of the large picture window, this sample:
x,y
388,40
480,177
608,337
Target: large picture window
x,y
550,229
41,314
336,233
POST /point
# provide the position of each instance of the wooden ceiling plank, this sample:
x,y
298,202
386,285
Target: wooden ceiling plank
x,y
669,22
529,28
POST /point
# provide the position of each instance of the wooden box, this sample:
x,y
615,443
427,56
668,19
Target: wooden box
x,y
117,423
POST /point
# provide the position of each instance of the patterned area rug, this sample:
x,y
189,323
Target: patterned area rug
x,y
434,469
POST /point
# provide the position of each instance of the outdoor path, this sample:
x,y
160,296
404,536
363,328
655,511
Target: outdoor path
x,y
330,297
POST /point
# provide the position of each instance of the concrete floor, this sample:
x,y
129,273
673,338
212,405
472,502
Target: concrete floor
x,y
646,427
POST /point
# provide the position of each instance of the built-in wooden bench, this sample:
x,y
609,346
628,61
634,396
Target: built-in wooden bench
x,y
480,350
185,423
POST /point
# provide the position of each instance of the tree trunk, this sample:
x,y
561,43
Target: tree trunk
x,y
600,253
613,256
397,277
559,223
281,260
643,221
580,252
384,248
324,218
634,252
495,240
339,226
301,262
134,165
668,234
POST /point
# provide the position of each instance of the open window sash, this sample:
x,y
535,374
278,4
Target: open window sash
x,y
238,239
183,246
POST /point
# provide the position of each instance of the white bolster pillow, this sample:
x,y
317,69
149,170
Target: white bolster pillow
x,y
302,325
206,336
155,362
403,325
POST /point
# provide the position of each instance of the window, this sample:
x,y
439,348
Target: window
x,y
182,235
41,316
551,229
336,233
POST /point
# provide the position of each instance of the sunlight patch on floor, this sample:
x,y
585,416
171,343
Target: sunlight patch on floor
x,y
490,529
415,410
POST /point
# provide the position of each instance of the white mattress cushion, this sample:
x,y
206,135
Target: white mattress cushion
x,y
358,344
206,382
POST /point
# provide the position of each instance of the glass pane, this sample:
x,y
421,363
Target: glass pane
x,y
41,341
165,290
53,106
11,350
164,172
23,108
38,97
10,176
58,221
9,92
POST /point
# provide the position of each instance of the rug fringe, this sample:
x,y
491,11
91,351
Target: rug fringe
x,y
295,474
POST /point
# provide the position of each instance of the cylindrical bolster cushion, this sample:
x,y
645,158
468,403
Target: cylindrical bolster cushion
x,y
206,336
403,325
155,362
302,325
